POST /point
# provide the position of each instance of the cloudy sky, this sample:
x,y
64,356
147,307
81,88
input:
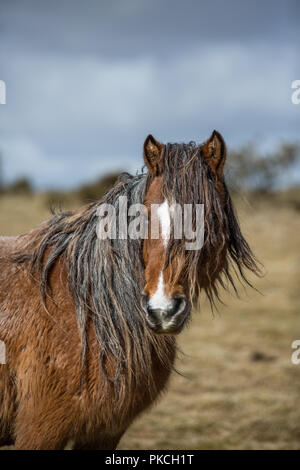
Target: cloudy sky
x,y
87,81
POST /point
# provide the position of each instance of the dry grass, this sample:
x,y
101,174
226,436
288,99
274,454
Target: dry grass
x,y
240,389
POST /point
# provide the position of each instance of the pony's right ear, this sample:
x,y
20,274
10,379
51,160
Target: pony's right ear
x,y
152,155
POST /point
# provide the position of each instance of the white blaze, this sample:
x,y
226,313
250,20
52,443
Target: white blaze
x,y
159,299
163,213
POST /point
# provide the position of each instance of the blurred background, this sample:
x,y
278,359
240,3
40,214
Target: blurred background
x,y
85,83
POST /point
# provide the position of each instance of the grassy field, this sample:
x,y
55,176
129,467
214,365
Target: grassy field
x,y
239,388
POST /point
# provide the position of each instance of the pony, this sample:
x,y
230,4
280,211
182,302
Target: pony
x,y
90,324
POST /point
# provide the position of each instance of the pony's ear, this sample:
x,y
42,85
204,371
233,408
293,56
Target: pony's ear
x,y
214,152
152,154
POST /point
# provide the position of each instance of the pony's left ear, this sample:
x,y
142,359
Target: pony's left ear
x,y
152,155
214,152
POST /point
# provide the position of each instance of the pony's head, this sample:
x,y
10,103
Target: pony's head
x,y
181,176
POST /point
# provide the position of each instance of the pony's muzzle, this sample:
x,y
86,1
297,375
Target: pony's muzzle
x,y
167,321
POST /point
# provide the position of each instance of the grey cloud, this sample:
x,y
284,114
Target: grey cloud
x,y
87,81
138,27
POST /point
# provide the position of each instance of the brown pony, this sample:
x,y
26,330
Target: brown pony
x,y
89,323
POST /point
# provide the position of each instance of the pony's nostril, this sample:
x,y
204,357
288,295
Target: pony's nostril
x,y
179,305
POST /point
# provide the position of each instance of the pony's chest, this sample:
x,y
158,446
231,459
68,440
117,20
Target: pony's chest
x,y
114,404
